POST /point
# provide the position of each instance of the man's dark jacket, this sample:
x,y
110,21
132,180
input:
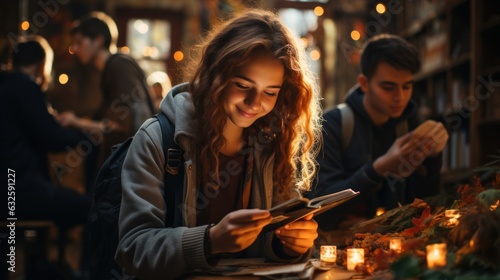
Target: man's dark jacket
x,y
29,133
353,167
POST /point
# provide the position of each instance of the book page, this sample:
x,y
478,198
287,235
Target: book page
x,y
298,208
330,198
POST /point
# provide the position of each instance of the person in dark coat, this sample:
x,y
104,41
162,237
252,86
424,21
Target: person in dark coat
x,y
126,99
388,169
29,133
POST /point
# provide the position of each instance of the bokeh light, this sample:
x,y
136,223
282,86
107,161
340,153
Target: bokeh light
x,y
355,35
63,79
178,56
380,8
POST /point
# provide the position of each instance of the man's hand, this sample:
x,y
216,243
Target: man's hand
x,y
439,135
299,236
66,118
410,150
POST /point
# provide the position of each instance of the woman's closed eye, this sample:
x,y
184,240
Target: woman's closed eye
x,y
270,93
245,87
239,85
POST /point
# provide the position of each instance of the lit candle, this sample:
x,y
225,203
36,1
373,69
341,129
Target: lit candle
x,y
328,255
494,206
380,211
452,215
355,256
395,244
436,255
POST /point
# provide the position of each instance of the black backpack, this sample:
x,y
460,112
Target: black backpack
x,y
105,209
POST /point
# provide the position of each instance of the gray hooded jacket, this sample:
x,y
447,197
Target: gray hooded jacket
x,y
149,250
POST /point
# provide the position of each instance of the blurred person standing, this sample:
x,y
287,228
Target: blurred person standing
x,y
126,100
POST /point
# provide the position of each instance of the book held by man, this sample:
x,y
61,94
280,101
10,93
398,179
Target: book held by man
x,y
297,208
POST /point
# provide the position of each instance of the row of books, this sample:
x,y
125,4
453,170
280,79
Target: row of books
x,y
456,155
419,10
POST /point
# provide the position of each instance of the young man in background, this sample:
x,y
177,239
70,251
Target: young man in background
x,y
385,162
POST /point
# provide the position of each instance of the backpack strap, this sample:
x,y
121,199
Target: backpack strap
x,y
174,168
347,124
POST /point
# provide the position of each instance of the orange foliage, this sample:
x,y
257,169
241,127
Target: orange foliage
x,y
468,193
418,223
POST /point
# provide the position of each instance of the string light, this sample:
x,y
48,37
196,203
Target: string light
x,y
315,54
125,50
355,35
380,8
319,11
25,25
63,79
178,56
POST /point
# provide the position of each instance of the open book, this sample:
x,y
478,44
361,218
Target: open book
x,y
297,208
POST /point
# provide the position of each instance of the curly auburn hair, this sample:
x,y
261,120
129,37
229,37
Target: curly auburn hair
x,y
292,130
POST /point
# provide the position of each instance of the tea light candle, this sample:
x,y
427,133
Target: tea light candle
x,y
495,205
380,211
328,255
395,244
354,257
436,255
452,215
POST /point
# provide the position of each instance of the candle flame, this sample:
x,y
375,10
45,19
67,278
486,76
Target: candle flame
x,y
495,205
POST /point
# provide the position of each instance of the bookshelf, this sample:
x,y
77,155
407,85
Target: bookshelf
x,y
459,83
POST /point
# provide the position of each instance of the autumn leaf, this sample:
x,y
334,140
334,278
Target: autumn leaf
x,y
418,223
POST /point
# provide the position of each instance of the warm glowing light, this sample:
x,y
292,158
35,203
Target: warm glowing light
x,y
146,51
452,215
141,26
380,211
304,41
25,25
328,255
395,244
494,206
319,11
355,35
70,50
178,56
125,50
315,54
380,8
436,255
355,256
63,79
154,52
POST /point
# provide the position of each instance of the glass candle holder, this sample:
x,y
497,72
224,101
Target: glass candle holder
x,y
452,215
436,255
396,244
328,255
355,256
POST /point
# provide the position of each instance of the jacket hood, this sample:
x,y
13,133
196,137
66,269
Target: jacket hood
x,y
354,98
178,108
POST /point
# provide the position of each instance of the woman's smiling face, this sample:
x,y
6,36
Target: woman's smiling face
x,y
253,90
